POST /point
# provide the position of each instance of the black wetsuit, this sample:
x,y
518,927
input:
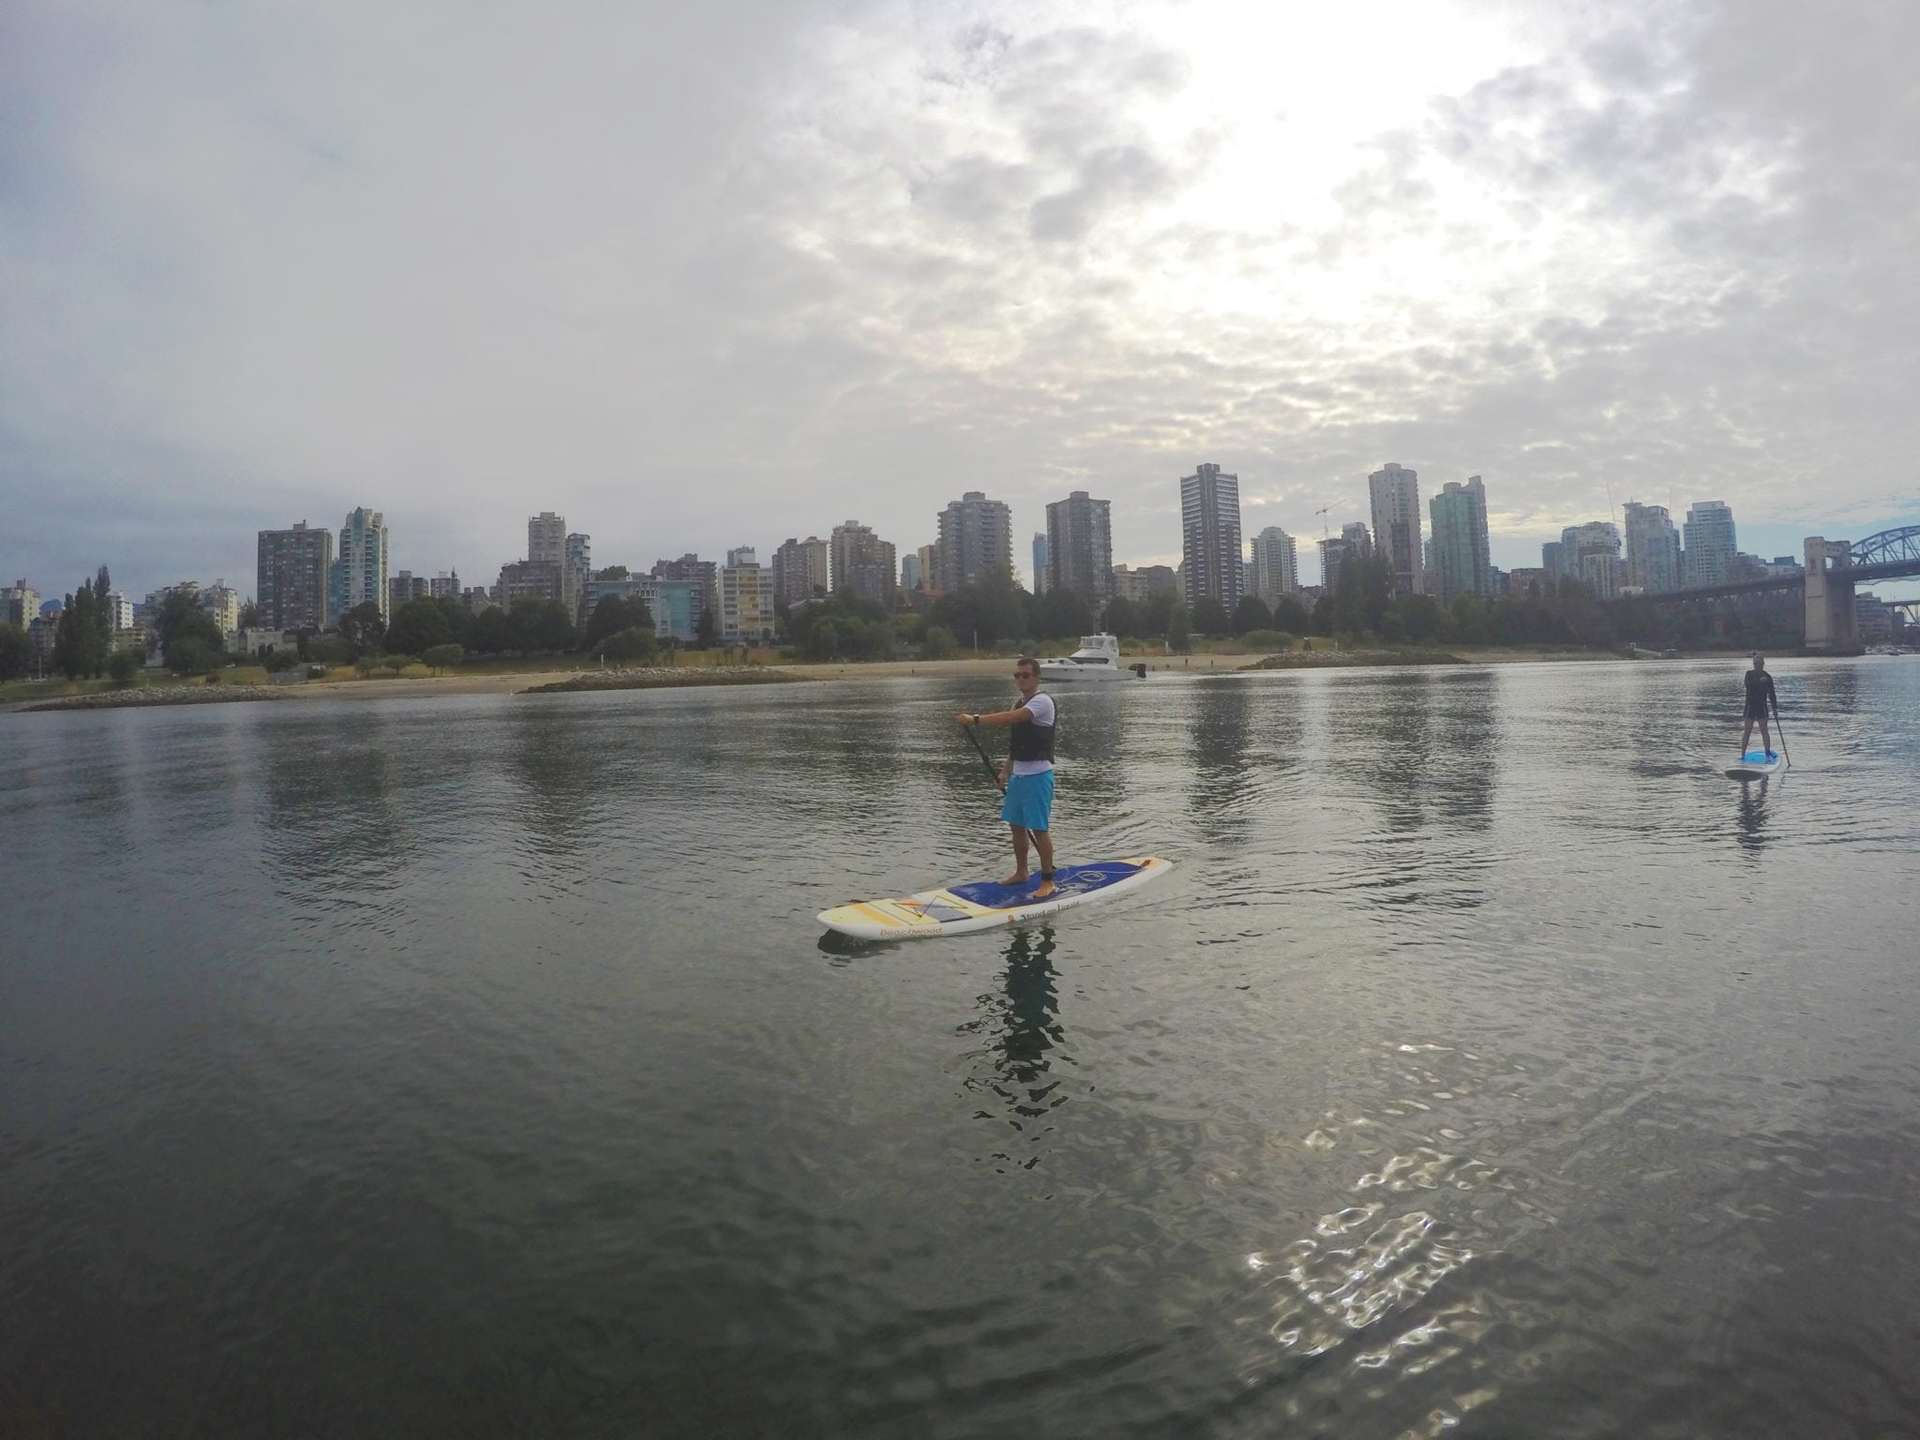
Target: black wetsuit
x,y
1760,694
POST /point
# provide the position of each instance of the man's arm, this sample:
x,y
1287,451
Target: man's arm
x,y
996,717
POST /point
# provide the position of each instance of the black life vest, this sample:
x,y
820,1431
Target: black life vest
x,y
1028,741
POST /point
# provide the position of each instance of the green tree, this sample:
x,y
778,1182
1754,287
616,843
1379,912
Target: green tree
x,y
329,650
938,643
1210,617
418,626
1251,614
122,666
1178,634
1291,616
249,616
276,661
442,656
1122,617
180,616
102,619
191,654
991,608
492,632
706,629
614,614
1156,612
821,639
80,645
1062,614
16,651
396,662
635,643
535,625
364,630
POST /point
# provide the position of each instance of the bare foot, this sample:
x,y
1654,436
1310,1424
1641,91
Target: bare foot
x,y
1019,879
1046,888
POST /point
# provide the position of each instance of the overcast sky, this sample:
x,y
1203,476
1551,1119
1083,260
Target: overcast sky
x,y
710,275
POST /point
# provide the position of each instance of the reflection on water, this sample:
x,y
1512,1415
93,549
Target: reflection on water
x,y
1021,1040
1489,1063
1752,834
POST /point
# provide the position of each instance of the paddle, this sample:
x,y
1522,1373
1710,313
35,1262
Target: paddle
x,y
1781,730
980,750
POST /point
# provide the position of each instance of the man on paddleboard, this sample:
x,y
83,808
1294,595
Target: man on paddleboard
x,y
1759,696
1026,775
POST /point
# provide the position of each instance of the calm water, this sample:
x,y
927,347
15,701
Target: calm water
x,y
1490,1065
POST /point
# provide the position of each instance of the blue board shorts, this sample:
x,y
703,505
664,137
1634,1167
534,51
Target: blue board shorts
x,y
1029,802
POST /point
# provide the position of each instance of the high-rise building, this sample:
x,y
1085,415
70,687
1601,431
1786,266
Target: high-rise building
x,y
702,574
800,569
404,587
910,572
119,611
1553,559
746,599
1528,583
1460,543
929,568
445,585
1335,556
222,602
19,604
1210,558
677,607
1360,538
1653,549
290,577
1590,553
1143,582
976,536
1602,572
530,580
575,573
1395,495
1041,564
1710,544
1080,547
547,538
1275,568
863,563
642,588
362,564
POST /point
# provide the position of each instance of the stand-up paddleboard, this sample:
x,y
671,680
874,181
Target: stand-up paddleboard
x,y
1754,765
983,904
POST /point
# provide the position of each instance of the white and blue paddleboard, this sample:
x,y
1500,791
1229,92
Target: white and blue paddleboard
x,y
1754,765
982,904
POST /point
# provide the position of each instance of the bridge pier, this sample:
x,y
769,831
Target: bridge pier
x,y
1831,629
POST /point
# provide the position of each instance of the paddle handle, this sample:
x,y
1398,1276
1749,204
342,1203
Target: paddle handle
x,y
980,750
1781,730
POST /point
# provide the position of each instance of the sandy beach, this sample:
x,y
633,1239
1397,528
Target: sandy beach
x,y
515,682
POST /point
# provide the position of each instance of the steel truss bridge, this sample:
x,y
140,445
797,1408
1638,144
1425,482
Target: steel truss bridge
x,y
1834,569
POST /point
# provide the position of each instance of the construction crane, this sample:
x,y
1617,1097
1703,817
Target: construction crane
x,y
1322,513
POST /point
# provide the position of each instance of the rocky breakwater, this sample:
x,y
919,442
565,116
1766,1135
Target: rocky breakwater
x,y
158,695
667,677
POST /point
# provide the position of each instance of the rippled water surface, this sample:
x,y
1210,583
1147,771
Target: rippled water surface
x,y
1489,1065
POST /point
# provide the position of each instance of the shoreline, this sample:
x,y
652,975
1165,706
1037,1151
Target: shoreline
x,y
592,678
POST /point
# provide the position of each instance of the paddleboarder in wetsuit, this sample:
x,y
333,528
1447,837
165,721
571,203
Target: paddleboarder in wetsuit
x,y
1759,696
1026,775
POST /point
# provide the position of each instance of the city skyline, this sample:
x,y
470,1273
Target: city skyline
x,y
1561,247
546,532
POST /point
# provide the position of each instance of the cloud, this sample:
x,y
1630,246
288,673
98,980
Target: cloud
x,y
715,275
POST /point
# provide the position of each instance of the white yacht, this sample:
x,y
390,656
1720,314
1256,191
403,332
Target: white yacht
x,y
1098,658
